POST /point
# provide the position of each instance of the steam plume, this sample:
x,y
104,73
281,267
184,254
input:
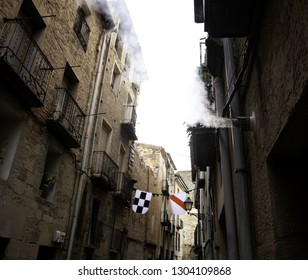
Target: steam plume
x,y
118,11
201,110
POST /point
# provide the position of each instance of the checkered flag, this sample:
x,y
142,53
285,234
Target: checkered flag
x,y
141,202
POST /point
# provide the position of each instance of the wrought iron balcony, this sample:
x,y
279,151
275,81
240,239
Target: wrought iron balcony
x,y
66,119
203,148
23,64
104,170
123,193
129,122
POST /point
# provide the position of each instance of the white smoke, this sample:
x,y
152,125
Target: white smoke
x,y
200,109
120,14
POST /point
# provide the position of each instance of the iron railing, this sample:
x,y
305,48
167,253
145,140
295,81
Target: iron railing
x,y
19,50
104,167
68,113
130,115
129,122
124,187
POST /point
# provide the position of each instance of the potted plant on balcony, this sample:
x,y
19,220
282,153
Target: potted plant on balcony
x,y
47,182
202,141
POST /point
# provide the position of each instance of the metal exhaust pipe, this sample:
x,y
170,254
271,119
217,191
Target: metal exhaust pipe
x,y
245,123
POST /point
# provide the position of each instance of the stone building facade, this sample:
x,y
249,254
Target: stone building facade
x,y
168,181
257,176
187,222
143,239
69,86
70,76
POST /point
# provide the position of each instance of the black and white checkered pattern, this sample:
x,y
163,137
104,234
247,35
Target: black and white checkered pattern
x,y
141,202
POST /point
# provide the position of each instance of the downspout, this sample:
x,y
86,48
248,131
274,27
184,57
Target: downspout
x,y
209,214
226,174
98,86
199,238
201,215
89,136
241,178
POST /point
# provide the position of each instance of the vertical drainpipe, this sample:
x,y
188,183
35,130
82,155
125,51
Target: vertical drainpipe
x,y
241,179
226,174
209,215
88,140
201,215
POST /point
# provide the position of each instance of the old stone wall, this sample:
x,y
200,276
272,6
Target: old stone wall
x,y
142,228
27,219
278,83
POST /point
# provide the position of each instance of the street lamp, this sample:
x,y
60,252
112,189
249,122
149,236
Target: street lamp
x,y
188,204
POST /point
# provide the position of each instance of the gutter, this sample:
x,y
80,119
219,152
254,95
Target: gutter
x,y
226,174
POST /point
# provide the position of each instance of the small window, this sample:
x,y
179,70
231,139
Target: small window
x,y
70,80
49,178
121,158
31,19
105,137
116,79
82,28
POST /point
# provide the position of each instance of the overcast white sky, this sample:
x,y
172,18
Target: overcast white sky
x,y
169,39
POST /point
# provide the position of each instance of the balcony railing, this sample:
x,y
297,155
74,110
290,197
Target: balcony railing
x,y
104,170
124,189
66,119
129,122
23,64
203,148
